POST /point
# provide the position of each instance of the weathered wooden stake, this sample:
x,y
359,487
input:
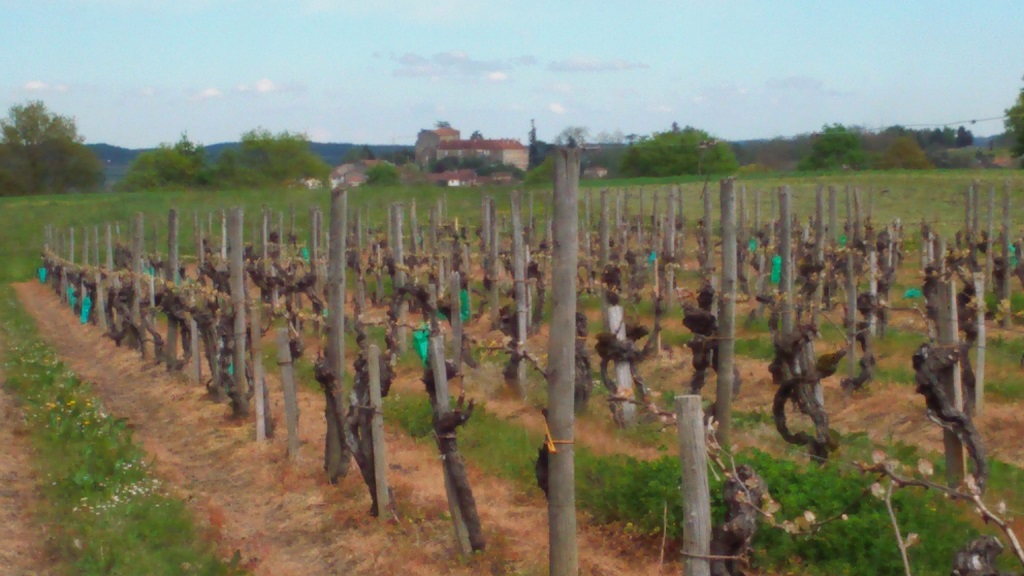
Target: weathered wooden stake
x,y
236,247
137,240
727,317
519,279
259,386
454,291
380,462
949,340
564,555
1007,319
693,459
171,276
979,370
786,252
291,403
337,454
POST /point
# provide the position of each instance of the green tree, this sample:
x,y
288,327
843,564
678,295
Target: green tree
x,y
42,153
543,174
182,165
835,147
382,174
904,153
675,153
270,158
1015,124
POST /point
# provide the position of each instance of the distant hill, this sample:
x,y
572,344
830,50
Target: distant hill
x,y
116,159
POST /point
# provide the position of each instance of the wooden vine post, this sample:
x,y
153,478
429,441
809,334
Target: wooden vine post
x,y
400,277
494,301
236,267
171,276
291,402
258,383
1007,319
669,249
336,457
519,285
786,253
707,267
990,228
727,317
101,308
454,291
564,555
137,239
948,332
693,459
380,464
851,296
979,371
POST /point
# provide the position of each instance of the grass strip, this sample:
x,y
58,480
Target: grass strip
x,y
108,514
632,492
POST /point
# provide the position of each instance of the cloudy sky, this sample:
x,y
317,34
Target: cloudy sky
x,y
137,73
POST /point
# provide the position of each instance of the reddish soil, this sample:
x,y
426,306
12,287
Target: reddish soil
x,y
283,517
22,538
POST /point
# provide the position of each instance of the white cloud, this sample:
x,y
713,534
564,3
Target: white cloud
x,y
262,86
584,64
556,108
39,86
457,64
206,95
660,109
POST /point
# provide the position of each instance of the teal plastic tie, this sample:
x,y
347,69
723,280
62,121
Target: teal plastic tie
x,y
652,258
86,308
42,274
464,305
305,254
753,244
231,369
776,269
1013,255
913,293
421,343
842,240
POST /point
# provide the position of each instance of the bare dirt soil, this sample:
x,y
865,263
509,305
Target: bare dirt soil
x,y
283,518
22,537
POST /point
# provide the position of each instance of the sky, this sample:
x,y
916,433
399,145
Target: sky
x,y
137,73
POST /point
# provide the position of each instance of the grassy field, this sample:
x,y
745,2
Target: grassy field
x,y
912,195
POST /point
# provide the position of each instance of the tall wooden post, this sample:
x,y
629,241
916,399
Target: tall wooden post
x,y
137,247
258,383
709,249
786,252
400,279
693,460
236,247
1007,257
727,317
337,457
171,276
492,261
101,308
223,235
413,229
380,462
979,370
519,278
564,556
949,339
990,221
851,297
291,403
669,250
441,409
819,252
833,221
455,293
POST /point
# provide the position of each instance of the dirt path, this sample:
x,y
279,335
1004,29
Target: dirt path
x,y
21,537
285,519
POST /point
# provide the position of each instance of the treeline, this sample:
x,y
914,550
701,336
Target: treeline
x,y
262,158
43,153
896,147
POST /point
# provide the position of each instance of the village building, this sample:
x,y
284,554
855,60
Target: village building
x,y
434,145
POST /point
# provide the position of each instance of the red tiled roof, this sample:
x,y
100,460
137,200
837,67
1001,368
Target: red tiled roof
x,y
463,175
504,144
